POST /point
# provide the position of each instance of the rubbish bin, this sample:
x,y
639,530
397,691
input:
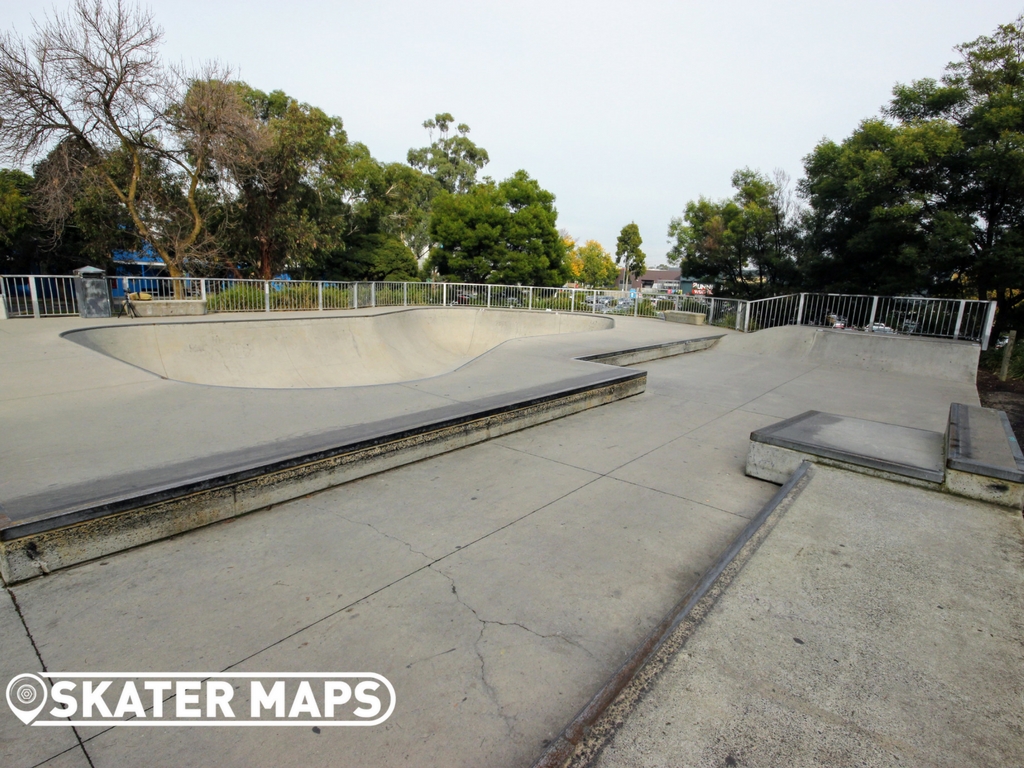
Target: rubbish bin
x,y
93,292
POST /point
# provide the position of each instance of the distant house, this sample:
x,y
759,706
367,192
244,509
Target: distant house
x,y
664,281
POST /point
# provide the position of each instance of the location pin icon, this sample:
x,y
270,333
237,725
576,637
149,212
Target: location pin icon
x,y
23,692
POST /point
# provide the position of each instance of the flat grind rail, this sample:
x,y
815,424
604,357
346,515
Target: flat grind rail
x,y
40,296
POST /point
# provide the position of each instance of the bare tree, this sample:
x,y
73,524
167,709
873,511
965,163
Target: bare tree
x,y
89,90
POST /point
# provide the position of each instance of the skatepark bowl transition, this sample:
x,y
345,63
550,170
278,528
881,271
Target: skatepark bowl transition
x,y
564,540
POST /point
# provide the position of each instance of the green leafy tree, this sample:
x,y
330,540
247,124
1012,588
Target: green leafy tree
x,y
393,199
498,233
19,235
591,265
982,96
628,253
452,159
879,219
932,199
745,244
293,204
375,257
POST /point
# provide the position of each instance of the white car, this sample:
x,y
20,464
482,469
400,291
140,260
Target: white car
x,y
879,328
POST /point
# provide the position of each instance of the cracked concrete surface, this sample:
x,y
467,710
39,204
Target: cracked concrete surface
x,y
857,637
497,587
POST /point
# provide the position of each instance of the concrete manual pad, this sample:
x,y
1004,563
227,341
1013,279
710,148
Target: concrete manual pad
x,y
981,441
983,459
851,637
873,445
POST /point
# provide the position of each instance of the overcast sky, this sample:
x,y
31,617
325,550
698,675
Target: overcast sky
x,y
625,111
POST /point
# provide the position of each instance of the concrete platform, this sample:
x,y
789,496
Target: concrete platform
x,y
977,457
852,636
887,450
983,459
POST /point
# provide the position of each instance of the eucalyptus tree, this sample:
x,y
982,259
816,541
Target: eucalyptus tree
x,y
930,197
452,159
628,253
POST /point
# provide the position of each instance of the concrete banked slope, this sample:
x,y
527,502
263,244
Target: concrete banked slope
x,y
325,352
914,356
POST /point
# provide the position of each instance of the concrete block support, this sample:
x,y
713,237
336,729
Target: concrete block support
x,y
690,318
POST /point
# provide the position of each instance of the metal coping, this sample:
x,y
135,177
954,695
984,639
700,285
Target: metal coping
x,y
135,489
649,347
958,447
767,435
564,745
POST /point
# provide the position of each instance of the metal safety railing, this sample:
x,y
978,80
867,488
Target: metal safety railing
x,y
971,320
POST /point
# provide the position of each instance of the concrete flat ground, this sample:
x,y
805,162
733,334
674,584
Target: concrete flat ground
x,y
497,587
876,625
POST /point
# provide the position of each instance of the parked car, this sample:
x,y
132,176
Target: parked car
x,y
879,328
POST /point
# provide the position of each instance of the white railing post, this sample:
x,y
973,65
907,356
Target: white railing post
x,y
874,309
355,295
202,289
990,319
572,301
3,301
530,292
266,295
405,294
444,294
636,303
34,296
959,319
373,294
320,295
800,310
746,318
489,295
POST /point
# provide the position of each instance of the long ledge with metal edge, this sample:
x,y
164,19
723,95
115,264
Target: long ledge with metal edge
x,y
48,531
51,531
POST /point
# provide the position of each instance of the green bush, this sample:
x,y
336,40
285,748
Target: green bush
x,y
728,320
560,303
246,297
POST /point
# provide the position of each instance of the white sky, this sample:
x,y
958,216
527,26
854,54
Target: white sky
x,y
625,111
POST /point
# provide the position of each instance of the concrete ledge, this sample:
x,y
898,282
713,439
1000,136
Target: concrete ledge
x,y
982,488
873,447
161,308
983,459
653,351
690,318
126,512
775,464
